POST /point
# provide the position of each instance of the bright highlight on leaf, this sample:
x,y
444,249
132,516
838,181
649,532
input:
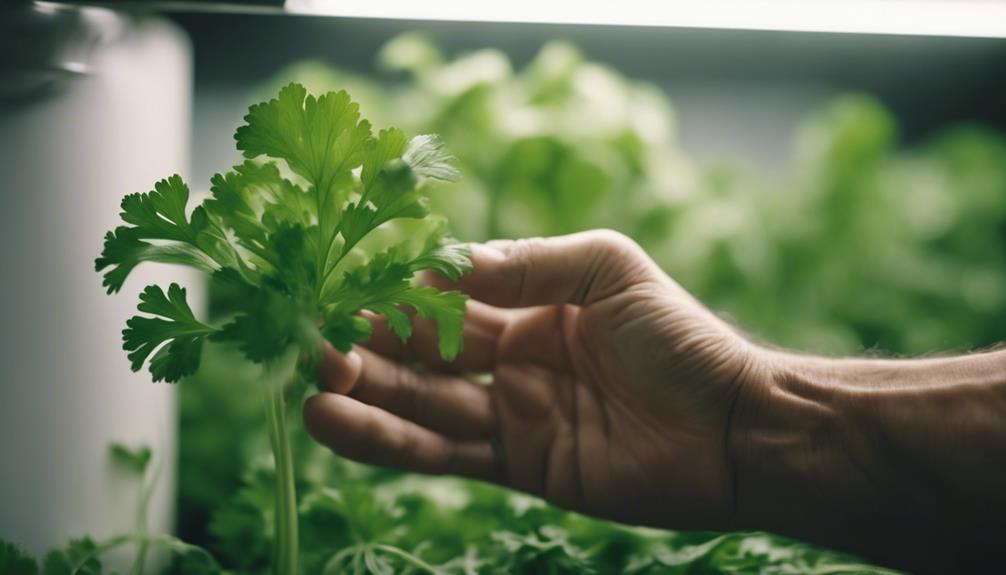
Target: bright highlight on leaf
x,y
289,229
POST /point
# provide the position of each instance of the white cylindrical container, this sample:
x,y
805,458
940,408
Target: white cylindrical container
x,y
81,125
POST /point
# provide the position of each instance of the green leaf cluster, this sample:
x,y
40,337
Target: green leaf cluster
x,y
14,560
287,231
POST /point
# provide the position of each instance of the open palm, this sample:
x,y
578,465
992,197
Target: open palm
x,y
610,393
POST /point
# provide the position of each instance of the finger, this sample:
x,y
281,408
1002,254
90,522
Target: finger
x,y
445,403
483,326
371,435
579,269
339,371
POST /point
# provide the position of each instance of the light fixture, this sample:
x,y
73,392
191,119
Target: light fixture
x,y
963,18
974,18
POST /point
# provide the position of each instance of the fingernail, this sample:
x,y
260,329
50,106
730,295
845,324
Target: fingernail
x,y
338,371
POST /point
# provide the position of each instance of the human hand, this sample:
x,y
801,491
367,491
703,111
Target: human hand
x,y
611,387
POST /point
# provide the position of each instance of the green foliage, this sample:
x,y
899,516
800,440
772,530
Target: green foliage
x,y
547,549
242,526
79,557
135,459
744,553
14,561
173,322
281,243
856,244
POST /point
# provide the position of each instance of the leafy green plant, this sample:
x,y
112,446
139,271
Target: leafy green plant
x,y
304,244
82,556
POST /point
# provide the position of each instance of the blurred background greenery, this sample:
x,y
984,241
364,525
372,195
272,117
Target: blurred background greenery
x,y
855,243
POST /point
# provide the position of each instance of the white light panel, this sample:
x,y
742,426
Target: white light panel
x,y
975,18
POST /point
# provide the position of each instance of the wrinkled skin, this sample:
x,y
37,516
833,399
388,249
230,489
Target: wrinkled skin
x,y
611,390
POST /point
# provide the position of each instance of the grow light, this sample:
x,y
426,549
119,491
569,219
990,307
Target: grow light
x,y
975,18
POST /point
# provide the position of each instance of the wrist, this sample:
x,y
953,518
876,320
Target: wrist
x,y
785,442
891,459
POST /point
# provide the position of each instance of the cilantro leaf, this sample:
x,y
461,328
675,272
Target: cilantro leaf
x,y
160,215
450,260
321,139
343,329
253,200
270,324
394,194
232,203
124,250
389,145
175,324
384,283
446,308
273,316
317,137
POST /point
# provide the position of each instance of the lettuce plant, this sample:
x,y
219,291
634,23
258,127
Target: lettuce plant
x,y
299,232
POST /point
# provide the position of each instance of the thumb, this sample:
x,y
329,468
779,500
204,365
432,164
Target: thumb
x,y
579,268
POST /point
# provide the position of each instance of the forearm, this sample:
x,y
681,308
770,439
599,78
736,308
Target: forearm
x,y
901,460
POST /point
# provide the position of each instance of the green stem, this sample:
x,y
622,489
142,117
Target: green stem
x,y
142,547
407,557
147,486
286,552
334,563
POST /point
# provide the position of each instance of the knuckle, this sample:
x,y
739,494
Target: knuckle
x,y
420,395
523,251
522,259
614,242
408,445
402,386
615,250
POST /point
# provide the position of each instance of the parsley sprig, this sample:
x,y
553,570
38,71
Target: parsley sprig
x,y
290,232
279,229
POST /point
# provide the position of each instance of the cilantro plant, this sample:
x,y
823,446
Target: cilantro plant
x,y
298,232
